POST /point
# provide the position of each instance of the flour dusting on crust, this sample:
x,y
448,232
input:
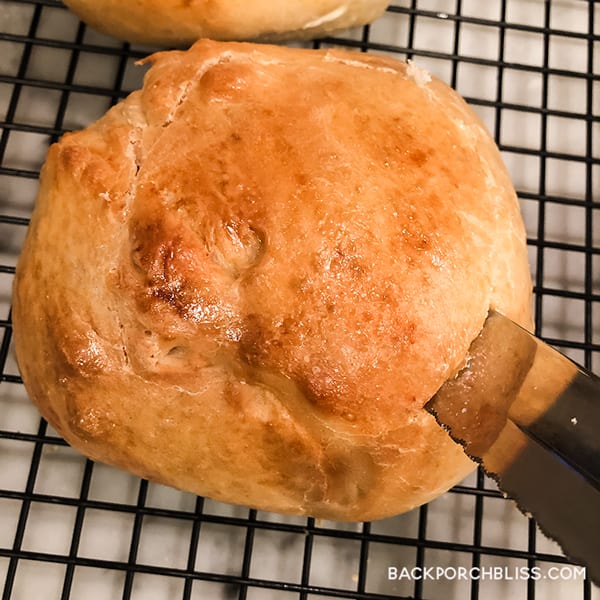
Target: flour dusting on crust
x,y
420,76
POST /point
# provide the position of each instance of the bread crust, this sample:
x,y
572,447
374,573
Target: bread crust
x,y
247,278
179,23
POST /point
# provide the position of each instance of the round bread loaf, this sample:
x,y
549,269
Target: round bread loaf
x,y
180,23
247,278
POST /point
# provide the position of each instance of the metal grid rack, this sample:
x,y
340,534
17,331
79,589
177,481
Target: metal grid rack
x,y
73,529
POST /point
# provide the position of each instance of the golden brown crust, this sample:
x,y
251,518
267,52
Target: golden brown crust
x,y
179,23
248,277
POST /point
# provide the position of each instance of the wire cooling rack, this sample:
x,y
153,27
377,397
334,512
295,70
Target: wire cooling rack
x,y
71,529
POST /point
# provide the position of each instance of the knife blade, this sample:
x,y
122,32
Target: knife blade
x,y
531,418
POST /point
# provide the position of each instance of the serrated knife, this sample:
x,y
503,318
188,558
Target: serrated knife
x,y
531,418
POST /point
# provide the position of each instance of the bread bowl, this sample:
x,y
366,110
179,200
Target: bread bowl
x,y
248,277
176,23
